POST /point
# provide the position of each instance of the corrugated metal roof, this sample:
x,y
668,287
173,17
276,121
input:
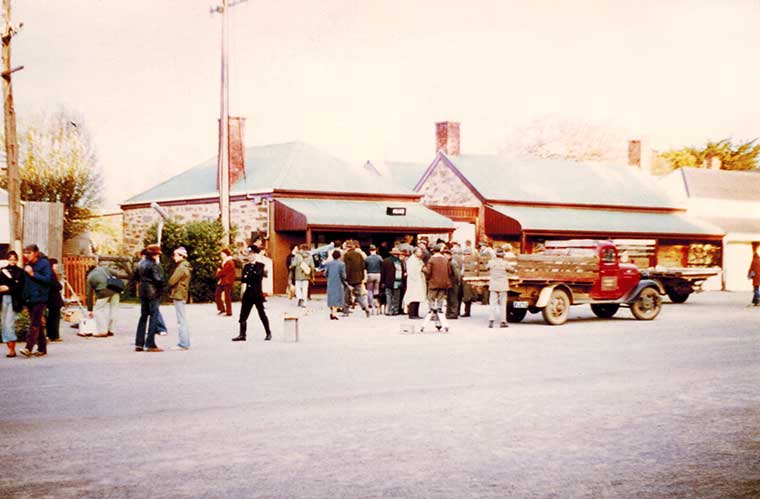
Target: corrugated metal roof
x,y
612,221
291,166
366,214
736,224
405,173
557,181
721,184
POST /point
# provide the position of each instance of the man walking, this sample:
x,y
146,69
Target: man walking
x,y
253,274
102,302
151,284
355,275
439,273
37,283
374,267
179,289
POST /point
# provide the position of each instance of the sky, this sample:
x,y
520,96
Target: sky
x,y
367,79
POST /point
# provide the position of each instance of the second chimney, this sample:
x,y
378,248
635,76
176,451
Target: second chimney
x,y
447,138
235,134
634,153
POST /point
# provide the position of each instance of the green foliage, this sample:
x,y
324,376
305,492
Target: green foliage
x,y
202,239
57,163
740,156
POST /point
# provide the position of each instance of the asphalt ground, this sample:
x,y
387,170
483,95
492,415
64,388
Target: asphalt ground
x,y
355,409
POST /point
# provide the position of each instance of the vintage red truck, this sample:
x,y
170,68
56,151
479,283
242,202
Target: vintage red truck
x,y
578,272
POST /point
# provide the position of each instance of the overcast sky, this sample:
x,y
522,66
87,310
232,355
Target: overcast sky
x,y
368,79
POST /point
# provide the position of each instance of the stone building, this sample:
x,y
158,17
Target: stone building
x,y
288,193
529,201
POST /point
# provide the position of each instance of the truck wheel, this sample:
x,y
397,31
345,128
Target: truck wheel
x,y
516,314
604,310
677,297
647,305
556,311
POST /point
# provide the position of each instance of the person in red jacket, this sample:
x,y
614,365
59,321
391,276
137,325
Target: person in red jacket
x,y
225,277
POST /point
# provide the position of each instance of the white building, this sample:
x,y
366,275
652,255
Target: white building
x,y
731,201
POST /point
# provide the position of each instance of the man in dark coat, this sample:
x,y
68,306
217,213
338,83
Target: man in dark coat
x,y
391,280
439,274
151,282
355,275
37,282
454,292
55,303
253,274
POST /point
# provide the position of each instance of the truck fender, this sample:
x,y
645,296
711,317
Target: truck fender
x,y
546,293
643,284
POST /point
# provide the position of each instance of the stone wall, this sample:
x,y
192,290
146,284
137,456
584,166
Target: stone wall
x,y
444,188
246,215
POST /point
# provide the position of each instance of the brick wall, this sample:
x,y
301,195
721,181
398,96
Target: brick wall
x,y
444,188
246,215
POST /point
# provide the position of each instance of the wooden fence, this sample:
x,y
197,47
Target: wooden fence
x,y
75,271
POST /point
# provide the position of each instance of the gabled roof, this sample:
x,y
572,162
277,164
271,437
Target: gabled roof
x,y
404,173
719,184
556,181
293,166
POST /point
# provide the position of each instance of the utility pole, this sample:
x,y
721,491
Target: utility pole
x,y
11,142
223,170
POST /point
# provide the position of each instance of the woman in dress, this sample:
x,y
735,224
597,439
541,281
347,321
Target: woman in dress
x,y
335,271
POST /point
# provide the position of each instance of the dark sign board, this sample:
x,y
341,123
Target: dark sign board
x,y
395,212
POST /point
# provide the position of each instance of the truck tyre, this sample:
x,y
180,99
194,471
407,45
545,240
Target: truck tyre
x,y
604,310
516,314
677,296
647,305
556,311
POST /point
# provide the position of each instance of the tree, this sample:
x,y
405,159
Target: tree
x,y
740,156
552,137
58,164
201,239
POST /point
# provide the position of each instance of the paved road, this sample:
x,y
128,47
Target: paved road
x,y
594,408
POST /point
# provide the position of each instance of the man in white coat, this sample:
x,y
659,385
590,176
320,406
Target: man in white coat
x,y
416,284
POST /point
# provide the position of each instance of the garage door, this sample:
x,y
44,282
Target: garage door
x,y
737,258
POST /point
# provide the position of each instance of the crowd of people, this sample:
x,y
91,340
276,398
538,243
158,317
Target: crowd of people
x,y
381,281
405,278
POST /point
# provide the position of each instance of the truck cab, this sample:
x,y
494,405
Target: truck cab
x,y
616,278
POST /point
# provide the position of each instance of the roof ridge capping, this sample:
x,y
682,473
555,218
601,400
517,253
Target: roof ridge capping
x,y
501,178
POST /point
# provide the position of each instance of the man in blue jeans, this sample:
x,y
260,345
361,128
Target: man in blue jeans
x,y
179,287
151,284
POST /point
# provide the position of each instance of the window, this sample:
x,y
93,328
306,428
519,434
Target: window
x,y
608,255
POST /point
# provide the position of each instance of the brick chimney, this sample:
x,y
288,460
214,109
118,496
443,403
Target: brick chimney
x,y
447,137
634,153
235,137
